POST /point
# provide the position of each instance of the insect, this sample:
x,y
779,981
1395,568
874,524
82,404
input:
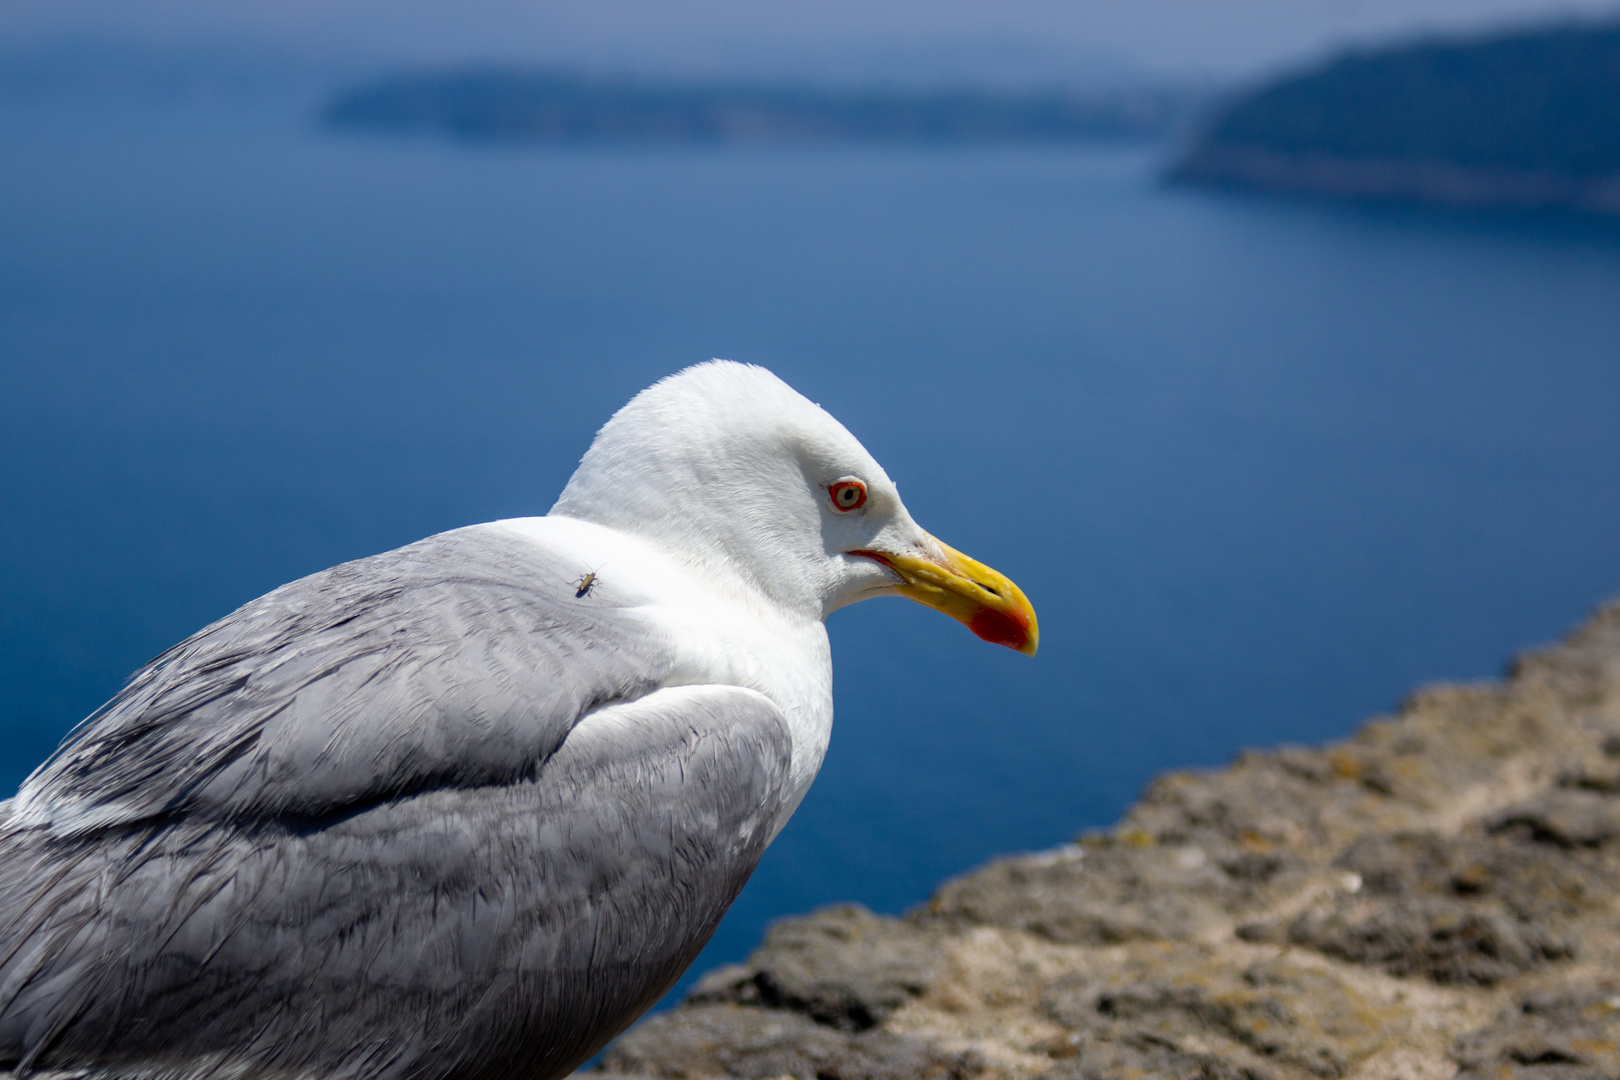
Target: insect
x,y
584,584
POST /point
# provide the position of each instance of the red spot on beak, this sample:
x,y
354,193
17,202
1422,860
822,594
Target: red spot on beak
x,y
999,628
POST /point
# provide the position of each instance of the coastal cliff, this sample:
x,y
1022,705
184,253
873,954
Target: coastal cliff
x,y
1434,897
1526,120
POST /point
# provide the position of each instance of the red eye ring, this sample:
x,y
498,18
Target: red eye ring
x,y
847,495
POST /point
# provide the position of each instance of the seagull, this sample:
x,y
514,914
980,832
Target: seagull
x,y
443,813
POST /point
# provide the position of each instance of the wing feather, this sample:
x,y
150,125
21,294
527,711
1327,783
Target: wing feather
x,y
460,660
501,930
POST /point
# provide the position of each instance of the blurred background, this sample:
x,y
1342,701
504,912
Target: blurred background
x,y
1278,396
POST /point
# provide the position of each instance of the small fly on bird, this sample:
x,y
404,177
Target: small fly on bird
x,y
584,584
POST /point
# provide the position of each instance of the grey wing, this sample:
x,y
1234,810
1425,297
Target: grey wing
x,y
453,661
501,931
334,834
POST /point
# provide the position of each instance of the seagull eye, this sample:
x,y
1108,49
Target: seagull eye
x,y
848,495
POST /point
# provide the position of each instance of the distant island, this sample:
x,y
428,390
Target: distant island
x,y
540,106
1529,120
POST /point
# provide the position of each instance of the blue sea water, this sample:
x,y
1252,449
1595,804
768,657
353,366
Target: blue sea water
x,y
1261,466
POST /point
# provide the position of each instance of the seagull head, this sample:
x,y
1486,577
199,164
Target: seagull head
x,y
727,468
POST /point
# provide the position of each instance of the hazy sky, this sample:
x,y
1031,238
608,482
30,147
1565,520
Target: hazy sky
x,y
1039,38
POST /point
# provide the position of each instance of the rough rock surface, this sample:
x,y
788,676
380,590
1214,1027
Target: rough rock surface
x,y
1432,898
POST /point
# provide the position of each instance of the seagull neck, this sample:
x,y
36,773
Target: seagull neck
x,y
757,568
724,570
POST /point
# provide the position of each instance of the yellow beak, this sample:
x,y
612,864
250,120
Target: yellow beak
x,y
969,592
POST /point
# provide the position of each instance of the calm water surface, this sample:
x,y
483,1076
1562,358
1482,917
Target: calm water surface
x,y
1261,467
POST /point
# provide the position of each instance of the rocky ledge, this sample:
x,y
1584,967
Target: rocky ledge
x,y
1433,897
